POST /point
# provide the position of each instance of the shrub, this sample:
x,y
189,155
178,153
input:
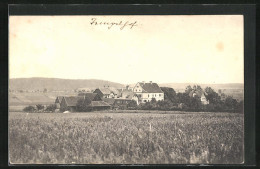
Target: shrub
x,y
51,108
39,107
29,109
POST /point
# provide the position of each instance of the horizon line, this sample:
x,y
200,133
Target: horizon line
x,y
124,83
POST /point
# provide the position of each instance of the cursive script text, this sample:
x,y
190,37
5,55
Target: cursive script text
x,y
120,24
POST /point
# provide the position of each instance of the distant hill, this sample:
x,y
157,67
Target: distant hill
x,y
58,84
182,86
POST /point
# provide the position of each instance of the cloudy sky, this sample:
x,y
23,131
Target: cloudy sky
x,y
164,49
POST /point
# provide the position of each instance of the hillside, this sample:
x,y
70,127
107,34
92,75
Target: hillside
x,y
57,84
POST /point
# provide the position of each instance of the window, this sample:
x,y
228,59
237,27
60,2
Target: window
x,y
148,95
144,100
159,95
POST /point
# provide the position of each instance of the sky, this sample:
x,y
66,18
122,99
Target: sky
x,y
164,49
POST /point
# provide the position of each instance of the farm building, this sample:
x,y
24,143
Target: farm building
x,y
201,94
107,92
99,105
145,92
95,102
90,96
69,103
110,101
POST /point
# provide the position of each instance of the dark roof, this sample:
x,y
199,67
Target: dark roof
x,y
90,96
151,88
109,90
109,100
72,100
99,104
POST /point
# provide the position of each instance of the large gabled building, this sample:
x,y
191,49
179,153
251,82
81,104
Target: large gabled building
x,y
145,92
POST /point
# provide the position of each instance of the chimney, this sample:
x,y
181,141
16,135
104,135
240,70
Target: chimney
x,y
127,87
151,82
143,81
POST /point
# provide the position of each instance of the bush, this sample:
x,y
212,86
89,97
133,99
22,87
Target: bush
x,y
39,107
132,105
83,105
29,109
51,108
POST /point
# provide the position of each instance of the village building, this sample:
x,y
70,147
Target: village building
x,y
107,92
110,101
90,96
145,92
69,103
99,105
201,94
96,103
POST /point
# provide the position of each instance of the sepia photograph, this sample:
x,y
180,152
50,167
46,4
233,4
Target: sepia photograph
x,y
126,89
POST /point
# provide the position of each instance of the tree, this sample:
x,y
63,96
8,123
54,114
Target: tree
x,y
39,107
51,108
29,109
230,103
83,105
132,104
212,96
188,89
169,94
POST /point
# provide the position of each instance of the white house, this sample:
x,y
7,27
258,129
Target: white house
x,y
147,91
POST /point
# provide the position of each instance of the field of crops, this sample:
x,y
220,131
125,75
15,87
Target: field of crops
x,y
125,138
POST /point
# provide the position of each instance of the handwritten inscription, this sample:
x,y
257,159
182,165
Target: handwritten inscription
x,y
121,24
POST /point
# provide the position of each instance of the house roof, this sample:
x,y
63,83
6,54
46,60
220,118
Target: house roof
x,y
109,90
72,100
127,93
99,104
199,93
90,96
151,88
110,101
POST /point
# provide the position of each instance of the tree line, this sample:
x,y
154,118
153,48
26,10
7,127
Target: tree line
x,y
218,102
184,102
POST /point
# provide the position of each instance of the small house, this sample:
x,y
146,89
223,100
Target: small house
x,y
70,103
201,94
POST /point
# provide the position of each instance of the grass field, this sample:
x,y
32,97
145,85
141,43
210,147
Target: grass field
x,y
125,138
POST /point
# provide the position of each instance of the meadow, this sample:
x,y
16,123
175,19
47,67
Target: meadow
x,y
126,138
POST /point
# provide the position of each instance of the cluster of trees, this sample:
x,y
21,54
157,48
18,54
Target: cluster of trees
x,y
40,108
183,101
83,105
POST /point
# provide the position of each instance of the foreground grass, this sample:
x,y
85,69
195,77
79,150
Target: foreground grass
x,y
129,138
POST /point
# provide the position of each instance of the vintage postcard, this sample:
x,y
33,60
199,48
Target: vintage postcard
x,y
126,89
